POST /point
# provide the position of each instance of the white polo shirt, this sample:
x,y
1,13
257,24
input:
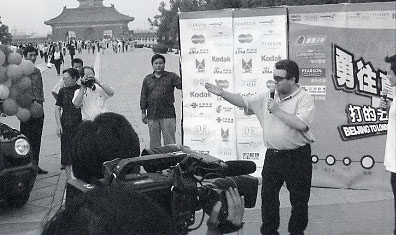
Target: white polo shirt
x,y
276,134
390,149
93,102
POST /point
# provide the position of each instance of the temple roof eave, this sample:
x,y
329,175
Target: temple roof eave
x,y
82,15
91,22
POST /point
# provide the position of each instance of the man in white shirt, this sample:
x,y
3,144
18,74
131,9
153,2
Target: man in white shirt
x,y
390,148
92,95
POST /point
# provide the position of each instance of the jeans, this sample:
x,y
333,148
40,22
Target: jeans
x,y
295,168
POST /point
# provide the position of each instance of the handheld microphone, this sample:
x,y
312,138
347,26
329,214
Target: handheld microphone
x,y
272,93
271,86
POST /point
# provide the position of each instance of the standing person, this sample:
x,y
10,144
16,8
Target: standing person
x,y
33,128
156,102
115,46
67,117
72,50
102,45
57,59
390,148
78,64
63,46
93,44
92,95
40,48
98,45
286,121
79,46
119,45
89,46
45,51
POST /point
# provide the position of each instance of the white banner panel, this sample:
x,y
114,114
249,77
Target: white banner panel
x,y
236,49
207,56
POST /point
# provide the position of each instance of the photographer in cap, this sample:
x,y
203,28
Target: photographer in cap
x,y
92,95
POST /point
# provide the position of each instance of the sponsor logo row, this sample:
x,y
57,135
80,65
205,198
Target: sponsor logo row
x,y
246,65
251,131
248,38
242,38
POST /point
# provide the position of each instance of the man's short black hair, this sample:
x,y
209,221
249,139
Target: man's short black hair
x,y
77,61
107,137
28,49
157,56
110,211
291,68
86,67
392,61
72,72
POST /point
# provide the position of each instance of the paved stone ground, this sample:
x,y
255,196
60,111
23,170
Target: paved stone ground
x,y
332,211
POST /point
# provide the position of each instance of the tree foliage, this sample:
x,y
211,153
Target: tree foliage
x,y
167,20
5,36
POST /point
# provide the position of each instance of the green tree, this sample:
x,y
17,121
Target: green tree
x,y
5,36
168,23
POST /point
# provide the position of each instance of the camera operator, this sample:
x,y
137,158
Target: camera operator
x,y
92,95
115,211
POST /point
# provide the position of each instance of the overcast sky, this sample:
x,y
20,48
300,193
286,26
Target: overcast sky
x,y
29,15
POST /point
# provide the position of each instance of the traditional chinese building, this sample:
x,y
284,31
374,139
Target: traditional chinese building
x,y
145,37
91,20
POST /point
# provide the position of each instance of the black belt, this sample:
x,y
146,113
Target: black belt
x,y
285,150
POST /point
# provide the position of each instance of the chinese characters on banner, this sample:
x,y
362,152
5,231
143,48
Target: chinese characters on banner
x,y
340,50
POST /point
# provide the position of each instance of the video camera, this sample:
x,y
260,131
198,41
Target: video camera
x,y
89,83
181,181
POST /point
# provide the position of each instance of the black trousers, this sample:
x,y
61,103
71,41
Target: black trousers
x,y
66,143
57,64
295,168
393,183
33,129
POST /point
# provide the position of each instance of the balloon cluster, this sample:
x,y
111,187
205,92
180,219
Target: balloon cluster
x,y
14,84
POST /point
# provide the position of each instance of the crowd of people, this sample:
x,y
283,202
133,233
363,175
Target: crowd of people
x,y
53,53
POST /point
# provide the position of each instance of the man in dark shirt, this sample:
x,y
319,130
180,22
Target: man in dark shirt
x,y
33,128
67,116
156,102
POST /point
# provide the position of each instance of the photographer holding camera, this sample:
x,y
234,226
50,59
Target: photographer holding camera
x,y
116,211
92,95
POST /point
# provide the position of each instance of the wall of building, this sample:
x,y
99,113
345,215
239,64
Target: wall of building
x,y
90,32
147,39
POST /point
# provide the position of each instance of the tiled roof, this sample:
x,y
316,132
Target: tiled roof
x,y
89,14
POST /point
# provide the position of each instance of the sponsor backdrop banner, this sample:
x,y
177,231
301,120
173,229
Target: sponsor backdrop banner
x,y
236,49
340,50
